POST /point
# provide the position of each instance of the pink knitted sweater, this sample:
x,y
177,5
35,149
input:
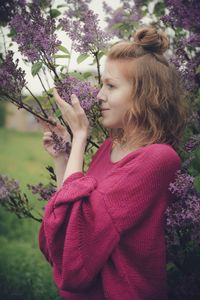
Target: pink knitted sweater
x,y
103,231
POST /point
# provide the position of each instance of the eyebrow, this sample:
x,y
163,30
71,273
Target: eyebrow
x,y
107,78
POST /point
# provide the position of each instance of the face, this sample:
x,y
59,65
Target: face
x,y
115,94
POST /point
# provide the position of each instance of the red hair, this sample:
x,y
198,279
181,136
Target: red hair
x,y
158,111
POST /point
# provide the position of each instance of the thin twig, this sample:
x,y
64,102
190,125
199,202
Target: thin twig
x,y
47,93
98,66
38,102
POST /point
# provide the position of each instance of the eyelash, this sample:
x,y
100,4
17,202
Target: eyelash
x,y
110,85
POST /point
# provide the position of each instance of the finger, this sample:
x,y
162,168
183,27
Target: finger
x,y
61,103
76,103
46,138
47,133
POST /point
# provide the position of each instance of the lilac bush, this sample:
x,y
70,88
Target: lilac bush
x,y
35,34
184,18
8,8
12,77
123,20
85,32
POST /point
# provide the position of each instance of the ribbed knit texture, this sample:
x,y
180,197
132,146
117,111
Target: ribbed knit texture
x,y
103,231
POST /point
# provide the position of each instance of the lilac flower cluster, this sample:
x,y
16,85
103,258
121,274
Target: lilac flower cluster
x,y
8,8
12,77
60,145
85,33
184,209
192,144
126,15
183,14
187,71
35,34
43,191
8,187
86,93
77,8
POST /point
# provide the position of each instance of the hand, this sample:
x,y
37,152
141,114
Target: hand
x,y
74,115
55,139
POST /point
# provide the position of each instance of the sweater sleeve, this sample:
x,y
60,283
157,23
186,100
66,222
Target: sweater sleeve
x,y
76,226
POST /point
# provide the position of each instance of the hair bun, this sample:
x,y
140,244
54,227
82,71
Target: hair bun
x,y
152,40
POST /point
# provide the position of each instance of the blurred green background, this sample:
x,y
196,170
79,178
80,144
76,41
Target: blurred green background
x,y
24,272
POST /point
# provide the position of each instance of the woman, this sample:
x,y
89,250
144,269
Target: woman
x,y
103,231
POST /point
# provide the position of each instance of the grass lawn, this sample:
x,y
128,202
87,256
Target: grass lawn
x,y
24,272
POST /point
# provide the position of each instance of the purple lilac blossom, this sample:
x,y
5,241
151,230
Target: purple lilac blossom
x,y
43,191
183,14
187,68
86,93
192,144
43,2
128,14
76,8
85,33
8,8
8,187
12,77
184,209
60,145
35,34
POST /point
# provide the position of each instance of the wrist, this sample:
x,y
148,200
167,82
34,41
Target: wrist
x,y
81,139
61,157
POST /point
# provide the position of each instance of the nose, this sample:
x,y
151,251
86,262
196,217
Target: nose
x,y
101,96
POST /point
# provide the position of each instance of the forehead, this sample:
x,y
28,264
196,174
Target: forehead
x,y
115,70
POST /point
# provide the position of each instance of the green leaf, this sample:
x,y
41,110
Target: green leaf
x,y
1,58
82,57
100,54
36,68
63,49
58,113
93,63
117,25
87,74
61,5
196,160
198,70
159,9
54,13
12,33
170,266
76,75
62,56
3,24
197,183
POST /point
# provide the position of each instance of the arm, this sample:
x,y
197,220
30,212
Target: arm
x,y
60,164
76,157
65,166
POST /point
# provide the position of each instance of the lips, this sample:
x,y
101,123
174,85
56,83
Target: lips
x,y
103,109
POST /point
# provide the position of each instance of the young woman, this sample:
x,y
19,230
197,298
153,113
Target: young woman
x,y
103,231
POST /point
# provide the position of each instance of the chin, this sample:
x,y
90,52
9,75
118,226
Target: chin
x,y
107,124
